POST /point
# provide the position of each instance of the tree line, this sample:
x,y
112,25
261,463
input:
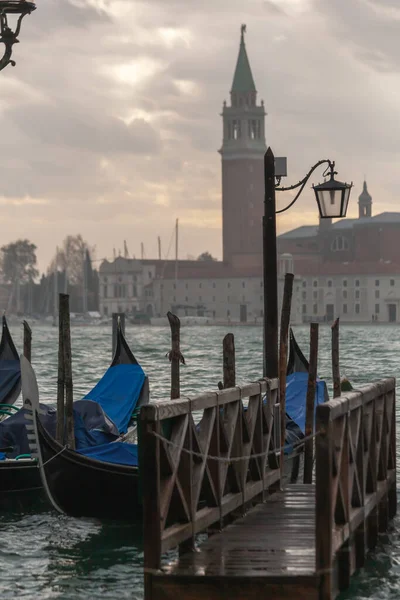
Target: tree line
x,y
70,271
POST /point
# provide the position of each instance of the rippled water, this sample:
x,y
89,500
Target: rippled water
x,y
51,556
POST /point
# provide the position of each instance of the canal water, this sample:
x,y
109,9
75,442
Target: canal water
x,y
45,555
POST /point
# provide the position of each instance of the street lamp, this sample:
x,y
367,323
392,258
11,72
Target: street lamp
x,y
332,198
8,37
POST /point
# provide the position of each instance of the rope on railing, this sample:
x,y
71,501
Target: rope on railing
x,y
235,458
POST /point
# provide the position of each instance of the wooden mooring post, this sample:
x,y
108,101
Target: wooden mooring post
x,y
65,386
335,359
303,541
60,382
27,341
228,362
115,318
310,404
283,354
175,356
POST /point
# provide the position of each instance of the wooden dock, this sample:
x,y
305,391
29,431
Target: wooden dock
x,y
212,468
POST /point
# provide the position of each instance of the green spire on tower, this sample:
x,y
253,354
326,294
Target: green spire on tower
x,y
243,79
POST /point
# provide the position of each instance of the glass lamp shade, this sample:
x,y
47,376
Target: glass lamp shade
x,y
332,198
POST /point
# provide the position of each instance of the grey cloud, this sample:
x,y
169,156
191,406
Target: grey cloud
x,y
321,84
64,125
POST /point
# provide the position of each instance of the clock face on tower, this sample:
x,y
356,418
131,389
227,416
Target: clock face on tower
x,y
242,152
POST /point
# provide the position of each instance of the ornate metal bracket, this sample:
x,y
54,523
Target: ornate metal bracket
x,y
301,184
8,37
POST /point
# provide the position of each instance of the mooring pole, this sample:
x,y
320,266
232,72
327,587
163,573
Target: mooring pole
x,y
115,317
335,359
270,270
283,352
27,341
60,378
175,355
310,404
229,362
69,399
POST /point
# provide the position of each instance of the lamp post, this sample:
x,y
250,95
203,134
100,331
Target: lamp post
x,y
332,198
8,37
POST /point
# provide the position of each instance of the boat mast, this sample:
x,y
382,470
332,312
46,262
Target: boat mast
x,y
159,248
55,288
84,282
176,255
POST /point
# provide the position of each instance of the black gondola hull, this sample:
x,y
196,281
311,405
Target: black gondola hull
x,y
21,485
84,487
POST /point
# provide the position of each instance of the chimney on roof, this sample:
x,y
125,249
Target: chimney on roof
x,y
324,225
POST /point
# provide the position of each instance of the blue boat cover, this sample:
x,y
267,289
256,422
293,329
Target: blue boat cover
x,y
2,456
118,391
10,380
91,426
296,393
120,453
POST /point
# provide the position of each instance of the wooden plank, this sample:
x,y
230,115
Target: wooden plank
x,y
301,588
175,534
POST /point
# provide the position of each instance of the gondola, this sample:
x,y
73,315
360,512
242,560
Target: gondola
x,y
10,371
296,393
104,414
296,385
100,482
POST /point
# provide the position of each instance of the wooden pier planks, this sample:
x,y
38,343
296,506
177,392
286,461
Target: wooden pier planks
x,y
270,551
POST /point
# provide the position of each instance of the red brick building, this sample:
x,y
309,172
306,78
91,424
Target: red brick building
x,y
242,153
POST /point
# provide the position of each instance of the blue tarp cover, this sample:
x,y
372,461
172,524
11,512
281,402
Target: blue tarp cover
x,y
2,456
117,392
91,425
296,393
10,376
119,453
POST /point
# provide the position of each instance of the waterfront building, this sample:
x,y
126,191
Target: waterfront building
x,y
350,268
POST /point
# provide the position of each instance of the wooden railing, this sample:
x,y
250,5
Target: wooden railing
x,y
191,478
355,479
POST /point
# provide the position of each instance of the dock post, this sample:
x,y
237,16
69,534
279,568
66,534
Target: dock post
x,y
60,380
335,359
27,341
115,317
175,355
283,352
66,342
229,361
310,402
324,508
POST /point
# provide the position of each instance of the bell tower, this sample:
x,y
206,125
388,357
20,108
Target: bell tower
x,y
364,203
242,152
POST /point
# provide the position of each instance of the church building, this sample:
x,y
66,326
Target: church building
x,y
224,291
242,153
349,268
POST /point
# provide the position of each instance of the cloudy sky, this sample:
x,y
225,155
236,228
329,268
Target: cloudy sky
x,y
110,121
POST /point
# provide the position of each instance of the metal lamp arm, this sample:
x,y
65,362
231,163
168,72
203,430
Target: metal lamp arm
x,y
6,58
301,184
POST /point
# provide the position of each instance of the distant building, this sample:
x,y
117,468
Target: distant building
x,y
227,291
242,153
124,285
201,288
350,268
